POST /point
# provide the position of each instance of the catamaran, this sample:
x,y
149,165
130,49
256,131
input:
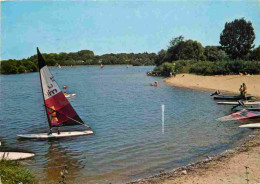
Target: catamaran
x,y
58,109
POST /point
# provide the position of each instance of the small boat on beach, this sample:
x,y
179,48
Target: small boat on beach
x,y
245,103
251,125
231,97
249,108
243,114
58,110
15,155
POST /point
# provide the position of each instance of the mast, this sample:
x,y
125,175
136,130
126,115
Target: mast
x,y
41,63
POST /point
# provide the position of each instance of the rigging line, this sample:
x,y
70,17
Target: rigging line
x,y
77,121
72,119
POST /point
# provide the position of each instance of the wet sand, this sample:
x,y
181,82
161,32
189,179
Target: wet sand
x,y
232,166
224,83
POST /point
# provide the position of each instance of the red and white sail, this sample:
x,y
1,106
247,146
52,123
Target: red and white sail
x,y
59,110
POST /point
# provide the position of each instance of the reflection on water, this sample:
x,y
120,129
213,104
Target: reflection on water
x,y
57,159
124,111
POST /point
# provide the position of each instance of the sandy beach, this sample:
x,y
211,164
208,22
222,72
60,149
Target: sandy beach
x,y
232,166
227,83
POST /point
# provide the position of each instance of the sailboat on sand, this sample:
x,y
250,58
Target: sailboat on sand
x,y
58,109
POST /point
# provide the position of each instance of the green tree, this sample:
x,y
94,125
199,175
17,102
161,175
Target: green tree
x,y
213,53
185,50
160,57
237,38
9,67
191,49
255,55
176,41
172,53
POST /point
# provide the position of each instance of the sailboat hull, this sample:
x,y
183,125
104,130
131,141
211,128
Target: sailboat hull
x,y
69,95
247,103
252,125
15,155
55,135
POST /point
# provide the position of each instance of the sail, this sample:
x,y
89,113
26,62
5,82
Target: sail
x,y
59,110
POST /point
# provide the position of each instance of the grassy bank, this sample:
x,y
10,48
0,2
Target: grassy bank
x,y
11,172
207,67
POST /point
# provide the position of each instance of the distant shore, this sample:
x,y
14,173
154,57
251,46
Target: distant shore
x,y
224,83
228,167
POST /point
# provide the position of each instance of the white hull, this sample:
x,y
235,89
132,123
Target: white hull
x,y
237,103
252,125
15,155
70,95
55,135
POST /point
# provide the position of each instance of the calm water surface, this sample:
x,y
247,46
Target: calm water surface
x,y
124,111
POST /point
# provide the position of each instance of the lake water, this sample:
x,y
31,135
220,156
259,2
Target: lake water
x,y
124,111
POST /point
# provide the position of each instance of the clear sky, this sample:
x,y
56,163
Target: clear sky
x,y
116,26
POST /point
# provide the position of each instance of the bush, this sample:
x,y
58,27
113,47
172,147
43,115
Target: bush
x,y
225,67
11,173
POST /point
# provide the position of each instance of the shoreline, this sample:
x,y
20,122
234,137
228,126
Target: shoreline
x,y
225,167
224,83
203,171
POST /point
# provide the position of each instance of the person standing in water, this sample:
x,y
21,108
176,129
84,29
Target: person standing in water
x,y
64,90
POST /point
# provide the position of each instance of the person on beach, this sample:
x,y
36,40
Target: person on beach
x,y
241,90
215,93
244,90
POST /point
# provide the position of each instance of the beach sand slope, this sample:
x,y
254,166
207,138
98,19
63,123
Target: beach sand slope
x,y
228,167
226,170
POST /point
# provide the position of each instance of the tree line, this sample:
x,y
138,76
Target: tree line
x,y
234,55
83,57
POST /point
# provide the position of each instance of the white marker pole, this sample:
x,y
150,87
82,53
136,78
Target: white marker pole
x,y
162,118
